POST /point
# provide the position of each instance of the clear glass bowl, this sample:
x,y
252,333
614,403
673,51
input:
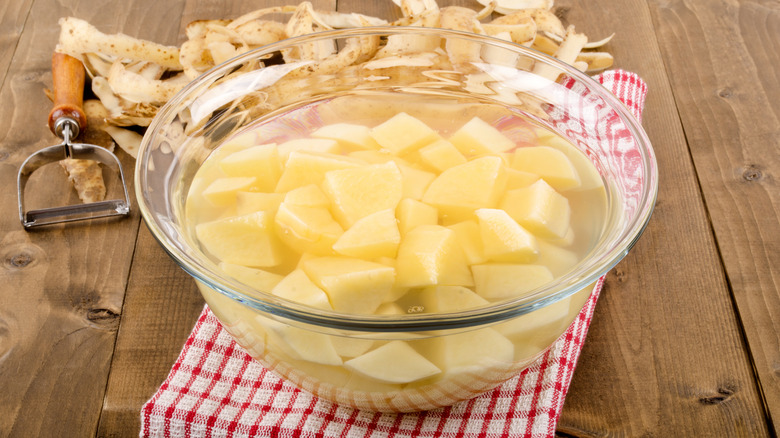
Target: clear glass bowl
x,y
305,82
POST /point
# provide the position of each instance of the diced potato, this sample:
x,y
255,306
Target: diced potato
x,y
550,164
394,362
305,167
441,299
353,285
248,202
550,315
358,192
351,347
516,179
415,181
456,353
477,138
322,145
261,162
307,229
398,291
460,190
430,255
258,279
540,209
308,196
499,281
403,133
247,240
558,260
566,240
350,136
371,237
222,191
375,157
503,239
240,142
441,155
469,238
297,287
589,176
390,308
302,344
412,213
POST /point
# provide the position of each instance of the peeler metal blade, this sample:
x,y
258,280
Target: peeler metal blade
x,y
70,213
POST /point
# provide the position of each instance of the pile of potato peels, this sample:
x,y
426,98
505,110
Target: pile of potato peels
x,y
133,78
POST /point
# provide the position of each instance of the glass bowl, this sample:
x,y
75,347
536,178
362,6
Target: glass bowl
x,y
364,76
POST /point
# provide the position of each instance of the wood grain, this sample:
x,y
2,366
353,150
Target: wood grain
x,y
13,14
161,307
68,281
730,110
630,380
685,340
162,302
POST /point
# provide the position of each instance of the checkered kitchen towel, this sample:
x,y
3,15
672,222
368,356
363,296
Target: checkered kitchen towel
x,y
216,390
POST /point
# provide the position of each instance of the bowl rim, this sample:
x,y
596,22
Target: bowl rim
x,y
571,282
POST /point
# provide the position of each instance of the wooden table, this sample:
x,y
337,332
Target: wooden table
x,y
686,336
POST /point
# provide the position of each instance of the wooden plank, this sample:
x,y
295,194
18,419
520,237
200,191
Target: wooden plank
x,y
162,302
161,306
63,292
13,14
722,62
60,307
664,355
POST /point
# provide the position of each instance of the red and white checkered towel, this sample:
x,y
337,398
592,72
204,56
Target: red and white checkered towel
x,y
215,389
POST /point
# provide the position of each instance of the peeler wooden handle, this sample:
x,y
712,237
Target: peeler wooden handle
x,y
68,78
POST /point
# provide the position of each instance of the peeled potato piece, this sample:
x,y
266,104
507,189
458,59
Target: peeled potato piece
x,y
394,362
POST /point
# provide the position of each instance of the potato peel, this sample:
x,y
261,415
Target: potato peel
x,y
133,78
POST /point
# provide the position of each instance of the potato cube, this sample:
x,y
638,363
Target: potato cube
x,y
297,287
353,285
322,145
350,136
551,315
540,209
463,351
477,138
247,240
222,191
430,255
403,133
308,196
441,299
499,281
307,229
301,343
258,279
306,167
248,202
441,155
351,347
460,190
371,237
261,162
412,213
516,179
358,192
587,172
415,181
550,164
469,238
503,239
558,260
394,362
